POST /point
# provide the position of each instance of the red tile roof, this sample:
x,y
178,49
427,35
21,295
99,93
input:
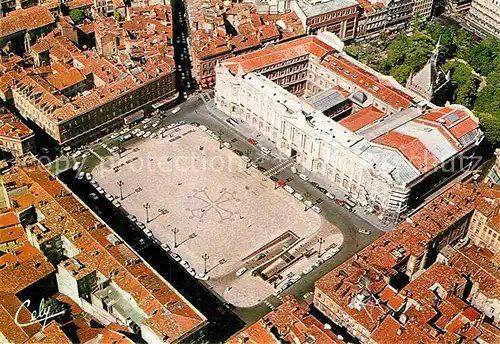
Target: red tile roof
x,y
30,19
362,118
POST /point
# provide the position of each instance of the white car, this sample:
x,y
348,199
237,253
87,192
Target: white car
x,y
85,155
147,134
153,135
265,150
293,169
335,250
202,277
289,189
94,183
177,109
296,278
139,133
161,131
210,132
227,145
202,127
330,195
141,225
175,256
76,166
76,154
298,196
100,190
241,271
155,124
327,256
184,264
308,204
116,203
192,272
148,232
165,247
88,176
114,135
124,131
145,126
80,175
146,120
135,131
132,218
316,209
364,231
303,177
113,149
308,270
245,158
109,197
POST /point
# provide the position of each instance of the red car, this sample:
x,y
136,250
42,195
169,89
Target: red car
x,y
339,202
252,141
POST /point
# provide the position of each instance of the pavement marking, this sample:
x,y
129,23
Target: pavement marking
x,y
97,155
278,168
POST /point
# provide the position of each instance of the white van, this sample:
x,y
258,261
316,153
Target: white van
x,y
241,271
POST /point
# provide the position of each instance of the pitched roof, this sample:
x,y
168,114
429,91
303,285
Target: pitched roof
x,y
25,19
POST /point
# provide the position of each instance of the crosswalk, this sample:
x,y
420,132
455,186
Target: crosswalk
x,y
268,304
278,168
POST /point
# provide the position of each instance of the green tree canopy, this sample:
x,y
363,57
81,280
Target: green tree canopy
x,y
491,125
76,15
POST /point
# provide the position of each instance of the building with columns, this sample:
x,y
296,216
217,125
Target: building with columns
x,y
386,146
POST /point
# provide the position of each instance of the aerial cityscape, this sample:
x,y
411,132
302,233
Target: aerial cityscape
x,y
259,171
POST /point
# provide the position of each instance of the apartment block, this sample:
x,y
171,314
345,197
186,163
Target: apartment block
x,y
484,17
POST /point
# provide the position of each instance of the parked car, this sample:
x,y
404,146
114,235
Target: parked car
x,y
364,231
339,202
141,225
330,195
252,141
94,183
241,271
298,196
293,169
227,145
155,124
114,135
116,203
85,155
76,154
231,121
76,165
295,278
88,176
184,264
237,152
245,158
260,256
316,209
147,134
177,109
94,196
287,285
165,247
308,204
322,189
307,270
289,189
161,131
265,150
132,218
100,190
109,197
192,272
303,177
202,127
80,175
327,256
175,256
202,277
147,232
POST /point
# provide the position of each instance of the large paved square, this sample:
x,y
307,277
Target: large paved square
x,y
219,207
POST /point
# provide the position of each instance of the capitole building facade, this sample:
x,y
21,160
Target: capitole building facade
x,y
362,130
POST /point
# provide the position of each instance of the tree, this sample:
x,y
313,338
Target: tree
x,y
491,126
466,93
117,15
401,73
76,15
57,306
488,99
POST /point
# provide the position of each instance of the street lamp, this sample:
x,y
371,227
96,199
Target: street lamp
x,y
321,241
147,206
175,230
120,184
220,132
247,153
205,258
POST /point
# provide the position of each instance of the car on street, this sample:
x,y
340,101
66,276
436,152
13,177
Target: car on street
x,y
262,169
308,204
339,202
147,232
109,197
116,203
293,169
124,131
241,271
227,145
330,195
94,183
100,190
135,131
94,196
295,278
161,131
252,140
145,126
147,134
202,127
265,150
238,152
335,250
165,247
307,270
114,135
140,225
315,184
364,231
260,256
255,165
175,110
153,135
327,256
175,256
322,189
202,277
245,158
287,285
155,124
76,154
298,196
114,149
274,178
85,155
140,133
132,218
146,120
316,209
303,177
88,176
80,175
125,138
288,189
192,272
184,264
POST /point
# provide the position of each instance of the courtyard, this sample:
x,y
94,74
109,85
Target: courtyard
x,y
213,211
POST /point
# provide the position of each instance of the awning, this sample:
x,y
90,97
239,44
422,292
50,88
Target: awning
x,y
134,117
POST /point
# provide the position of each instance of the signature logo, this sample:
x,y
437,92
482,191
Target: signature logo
x,y
41,316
